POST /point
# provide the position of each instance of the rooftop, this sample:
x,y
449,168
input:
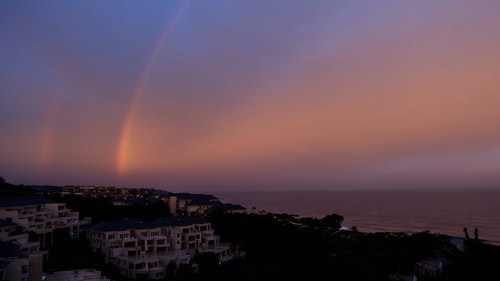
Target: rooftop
x,y
22,201
4,223
78,274
3,264
8,249
127,224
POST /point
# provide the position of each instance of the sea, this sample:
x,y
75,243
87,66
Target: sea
x,y
441,211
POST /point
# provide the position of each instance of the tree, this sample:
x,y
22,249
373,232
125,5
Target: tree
x,y
467,237
208,262
333,221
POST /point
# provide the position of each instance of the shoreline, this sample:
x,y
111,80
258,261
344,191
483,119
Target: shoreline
x,y
439,211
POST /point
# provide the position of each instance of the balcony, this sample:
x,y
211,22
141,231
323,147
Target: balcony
x,y
129,244
161,241
150,273
142,257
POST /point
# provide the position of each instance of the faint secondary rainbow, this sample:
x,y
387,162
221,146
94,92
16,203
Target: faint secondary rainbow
x,y
48,137
123,145
47,144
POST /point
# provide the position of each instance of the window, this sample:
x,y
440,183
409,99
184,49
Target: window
x,y
155,233
129,244
111,236
124,236
24,269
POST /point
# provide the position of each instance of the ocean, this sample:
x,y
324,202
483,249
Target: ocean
x,y
439,211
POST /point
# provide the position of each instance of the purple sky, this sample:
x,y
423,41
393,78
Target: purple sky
x,y
212,95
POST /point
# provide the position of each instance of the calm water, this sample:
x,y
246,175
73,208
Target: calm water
x,y
440,211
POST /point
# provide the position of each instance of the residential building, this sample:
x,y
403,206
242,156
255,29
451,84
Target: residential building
x,y
143,249
75,275
192,204
14,264
42,217
20,259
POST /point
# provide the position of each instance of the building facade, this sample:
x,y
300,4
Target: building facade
x,y
145,249
20,259
42,217
192,204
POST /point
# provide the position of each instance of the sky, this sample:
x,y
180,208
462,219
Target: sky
x,y
251,95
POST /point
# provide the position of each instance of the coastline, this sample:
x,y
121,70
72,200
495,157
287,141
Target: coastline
x,y
441,211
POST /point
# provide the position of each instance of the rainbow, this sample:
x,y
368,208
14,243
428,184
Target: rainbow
x,y
126,132
47,145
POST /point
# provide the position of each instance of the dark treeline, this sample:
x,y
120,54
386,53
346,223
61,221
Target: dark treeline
x,y
284,247
101,209
280,249
8,189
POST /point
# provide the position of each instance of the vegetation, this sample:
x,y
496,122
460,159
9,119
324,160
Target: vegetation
x,y
278,248
8,189
68,253
284,247
100,209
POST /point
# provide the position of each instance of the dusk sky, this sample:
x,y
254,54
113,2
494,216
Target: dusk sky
x,y
239,95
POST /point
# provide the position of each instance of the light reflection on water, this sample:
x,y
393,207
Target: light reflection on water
x,y
439,211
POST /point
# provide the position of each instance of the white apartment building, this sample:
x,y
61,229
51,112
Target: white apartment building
x,y
42,217
144,249
14,266
20,259
75,275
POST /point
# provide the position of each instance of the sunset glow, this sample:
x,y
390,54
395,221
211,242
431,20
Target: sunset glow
x,y
245,94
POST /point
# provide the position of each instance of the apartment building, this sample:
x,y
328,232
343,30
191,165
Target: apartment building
x,y
192,204
75,275
20,259
42,217
144,249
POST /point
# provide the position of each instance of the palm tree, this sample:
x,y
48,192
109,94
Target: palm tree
x,y
466,233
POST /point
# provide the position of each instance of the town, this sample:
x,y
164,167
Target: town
x,y
138,249
108,233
